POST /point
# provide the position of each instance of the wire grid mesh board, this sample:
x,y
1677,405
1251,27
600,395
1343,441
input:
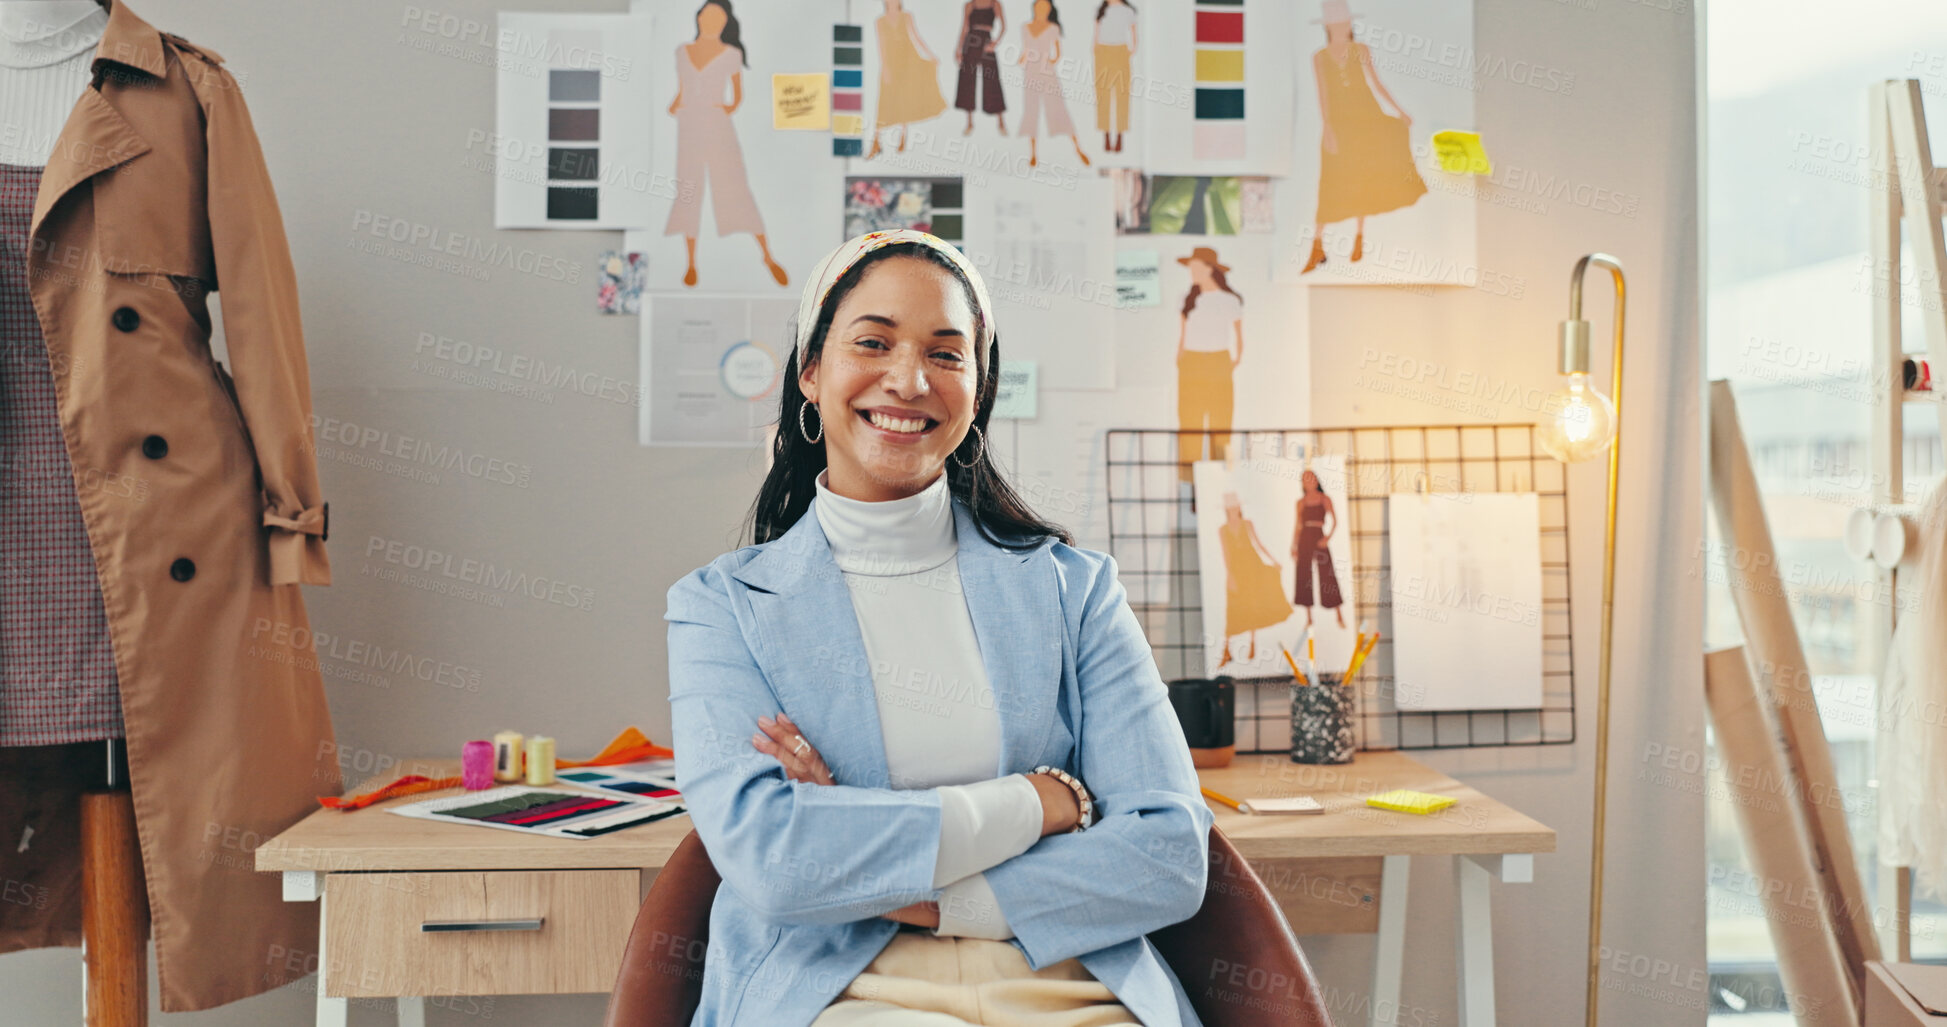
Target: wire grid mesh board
x,y
1153,536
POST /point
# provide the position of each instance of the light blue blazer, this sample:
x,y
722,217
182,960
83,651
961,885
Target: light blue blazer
x,y
808,868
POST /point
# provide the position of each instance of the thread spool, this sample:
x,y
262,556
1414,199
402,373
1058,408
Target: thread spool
x,y
540,760
477,765
507,756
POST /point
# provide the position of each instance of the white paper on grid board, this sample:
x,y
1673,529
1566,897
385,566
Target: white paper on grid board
x,y
1466,600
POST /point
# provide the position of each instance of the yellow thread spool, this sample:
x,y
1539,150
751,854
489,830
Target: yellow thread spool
x,y
540,760
507,756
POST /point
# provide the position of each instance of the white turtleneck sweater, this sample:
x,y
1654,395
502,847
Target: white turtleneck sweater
x,y
46,49
936,707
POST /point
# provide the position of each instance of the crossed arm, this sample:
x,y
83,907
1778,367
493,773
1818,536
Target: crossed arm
x,y
799,851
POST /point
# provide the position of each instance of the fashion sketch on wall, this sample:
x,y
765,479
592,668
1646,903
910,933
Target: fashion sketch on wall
x,y
1041,97
1367,202
1115,52
708,156
909,76
1365,157
1212,319
1311,556
1256,511
981,25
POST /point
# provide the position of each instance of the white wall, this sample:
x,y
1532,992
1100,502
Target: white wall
x,y
358,121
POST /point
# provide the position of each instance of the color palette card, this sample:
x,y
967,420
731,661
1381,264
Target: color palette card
x,y
553,812
609,779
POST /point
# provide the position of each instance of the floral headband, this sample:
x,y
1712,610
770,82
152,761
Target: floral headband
x,y
840,260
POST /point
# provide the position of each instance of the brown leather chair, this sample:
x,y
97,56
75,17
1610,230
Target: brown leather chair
x,y
1237,958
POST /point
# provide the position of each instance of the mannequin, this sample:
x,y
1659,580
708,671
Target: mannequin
x,y
46,49
155,510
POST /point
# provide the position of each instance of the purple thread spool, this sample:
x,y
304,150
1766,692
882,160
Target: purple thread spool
x,y
477,765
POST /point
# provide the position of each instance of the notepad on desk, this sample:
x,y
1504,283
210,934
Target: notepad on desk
x,y
1293,804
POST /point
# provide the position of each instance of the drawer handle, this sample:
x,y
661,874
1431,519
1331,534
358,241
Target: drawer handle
x,y
430,926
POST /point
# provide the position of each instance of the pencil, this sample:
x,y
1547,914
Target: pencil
x,y
1295,672
1225,799
1359,658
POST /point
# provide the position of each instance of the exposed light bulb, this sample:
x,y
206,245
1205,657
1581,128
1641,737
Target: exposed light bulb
x,y
1579,421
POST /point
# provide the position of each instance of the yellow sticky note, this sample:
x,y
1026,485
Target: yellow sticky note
x,y
1408,801
800,101
1461,153
847,124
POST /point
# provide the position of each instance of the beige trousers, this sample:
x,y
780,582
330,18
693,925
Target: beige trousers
x,y
923,980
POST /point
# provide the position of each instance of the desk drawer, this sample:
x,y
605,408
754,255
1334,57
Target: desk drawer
x,y
486,941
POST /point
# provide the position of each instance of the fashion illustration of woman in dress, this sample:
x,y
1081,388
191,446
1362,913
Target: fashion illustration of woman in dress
x,y
909,75
981,25
1308,550
1115,48
1213,315
1040,87
1253,593
706,141
1365,160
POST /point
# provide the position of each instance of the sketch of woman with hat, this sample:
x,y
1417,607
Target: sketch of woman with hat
x,y
1365,159
1213,315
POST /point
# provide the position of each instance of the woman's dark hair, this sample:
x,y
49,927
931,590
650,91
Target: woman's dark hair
x,y
1002,517
1054,16
733,32
1104,9
1217,276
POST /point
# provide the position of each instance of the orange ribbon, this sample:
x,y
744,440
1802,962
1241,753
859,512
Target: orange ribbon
x,y
631,746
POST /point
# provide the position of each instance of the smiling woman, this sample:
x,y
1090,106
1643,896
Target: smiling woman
x,y
878,709
891,383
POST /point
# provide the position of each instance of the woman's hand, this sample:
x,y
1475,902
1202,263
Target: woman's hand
x,y
781,740
1061,810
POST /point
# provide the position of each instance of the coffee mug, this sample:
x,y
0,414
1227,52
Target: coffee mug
x,y
1206,708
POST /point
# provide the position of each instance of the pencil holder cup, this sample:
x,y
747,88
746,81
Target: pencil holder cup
x,y
1321,721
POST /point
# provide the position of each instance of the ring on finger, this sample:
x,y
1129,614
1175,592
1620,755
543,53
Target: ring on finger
x,y
801,746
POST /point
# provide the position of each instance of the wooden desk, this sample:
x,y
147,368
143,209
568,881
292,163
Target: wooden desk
x,y
379,876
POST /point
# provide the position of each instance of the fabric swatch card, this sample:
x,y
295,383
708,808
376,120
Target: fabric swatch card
x,y
1232,59
1466,600
571,132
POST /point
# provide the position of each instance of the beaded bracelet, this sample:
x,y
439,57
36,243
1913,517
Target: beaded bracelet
x,y
1082,798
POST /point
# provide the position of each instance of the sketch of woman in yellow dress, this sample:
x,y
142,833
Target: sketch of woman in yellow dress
x,y
1365,159
706,142
1213,315
1253,588
909,75
1309,550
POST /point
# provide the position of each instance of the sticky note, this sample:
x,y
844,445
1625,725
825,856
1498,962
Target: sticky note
x,y
1408,801
1461,153
1016,395
800,102
1137,283
847,124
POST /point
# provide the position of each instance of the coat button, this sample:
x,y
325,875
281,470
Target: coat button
x,y
126,319
155,447
183,569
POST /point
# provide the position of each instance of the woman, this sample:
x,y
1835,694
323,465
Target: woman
x,y
1309,548
981,25
706,141
909,75
1115,48
1365,162
1253,595
903,627
1213,314
1040,88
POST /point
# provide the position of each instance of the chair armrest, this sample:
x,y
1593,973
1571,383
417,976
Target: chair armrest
x,y
661,982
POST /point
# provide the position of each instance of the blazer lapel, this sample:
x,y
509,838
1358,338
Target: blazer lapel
x,y
811,650
1016,618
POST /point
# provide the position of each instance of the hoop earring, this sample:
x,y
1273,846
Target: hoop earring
x,y
801,428
980,447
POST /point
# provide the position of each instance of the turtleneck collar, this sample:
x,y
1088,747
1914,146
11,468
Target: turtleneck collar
x,y
896,536
28,43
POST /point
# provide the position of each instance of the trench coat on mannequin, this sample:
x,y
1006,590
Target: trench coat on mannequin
x,y
200,493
